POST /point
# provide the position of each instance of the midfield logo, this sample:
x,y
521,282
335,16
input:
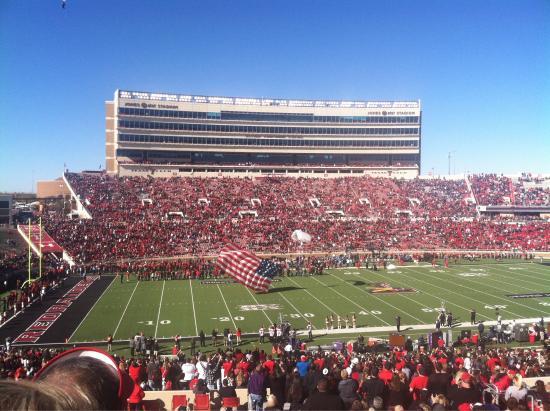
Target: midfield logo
x,y
259,307
386,288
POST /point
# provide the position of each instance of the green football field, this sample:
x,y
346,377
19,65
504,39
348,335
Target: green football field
x,y
163,309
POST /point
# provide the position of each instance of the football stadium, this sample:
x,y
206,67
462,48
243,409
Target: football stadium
x,y
241,252
276,224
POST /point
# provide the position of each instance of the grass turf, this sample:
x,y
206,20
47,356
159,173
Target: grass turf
x,y
166,308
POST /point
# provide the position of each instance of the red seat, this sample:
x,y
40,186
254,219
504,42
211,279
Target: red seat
x,y
179,400
231,402
202,402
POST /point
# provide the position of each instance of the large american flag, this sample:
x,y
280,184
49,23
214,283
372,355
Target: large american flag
x,y
246,268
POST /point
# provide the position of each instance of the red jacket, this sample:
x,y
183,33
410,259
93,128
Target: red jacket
x,y
136,396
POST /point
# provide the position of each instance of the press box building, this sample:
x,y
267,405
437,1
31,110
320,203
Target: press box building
x,y
176,134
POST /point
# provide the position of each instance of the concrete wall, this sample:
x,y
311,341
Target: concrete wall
x,y
51,188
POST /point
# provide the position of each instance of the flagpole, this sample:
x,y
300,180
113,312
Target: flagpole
x,y
29,250
40,256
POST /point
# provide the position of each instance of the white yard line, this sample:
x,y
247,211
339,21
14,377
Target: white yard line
x,y
463,295
225,302
91,309
393,279
330,310
125,308
160,307
514,276
257,303
404,295
533,279
351,301
453,292
193,305
495,296
378,298
295,309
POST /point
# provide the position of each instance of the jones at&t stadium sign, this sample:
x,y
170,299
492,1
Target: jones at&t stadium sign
x,y
147,105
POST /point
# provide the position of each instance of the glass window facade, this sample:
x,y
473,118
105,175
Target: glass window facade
x,y
267,117
257,129
260,142
237,159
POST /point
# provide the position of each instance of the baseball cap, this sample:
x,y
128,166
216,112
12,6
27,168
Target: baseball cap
x,y
466,377
125,383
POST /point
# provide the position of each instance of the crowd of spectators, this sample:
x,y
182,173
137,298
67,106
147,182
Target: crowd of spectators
x,y
491,189
444,378
19,298
145,217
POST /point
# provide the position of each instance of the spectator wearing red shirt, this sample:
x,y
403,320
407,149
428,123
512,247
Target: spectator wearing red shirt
x,y
385,374
418,383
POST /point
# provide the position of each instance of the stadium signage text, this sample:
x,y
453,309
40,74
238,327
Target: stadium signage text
x,y
146,105
52,314
529,295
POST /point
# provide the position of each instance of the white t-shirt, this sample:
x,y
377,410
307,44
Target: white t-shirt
x,y
201,369
189,370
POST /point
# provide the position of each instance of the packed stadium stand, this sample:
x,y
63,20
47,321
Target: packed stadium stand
x,y
136,217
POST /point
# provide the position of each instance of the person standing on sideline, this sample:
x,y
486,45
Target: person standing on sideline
x,y
450,319
480,329
261,333
109,342
398,323
238,334
193,345
309,331
229,339
202,338
473,317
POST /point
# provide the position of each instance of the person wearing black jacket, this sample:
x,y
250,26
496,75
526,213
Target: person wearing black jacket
x,y
372,387
398,393
439,382
227,391
463,392
322,400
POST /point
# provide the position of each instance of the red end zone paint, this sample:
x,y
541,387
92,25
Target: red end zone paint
x,y
53,313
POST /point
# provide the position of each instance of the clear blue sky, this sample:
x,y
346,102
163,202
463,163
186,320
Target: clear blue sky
x,y
481,69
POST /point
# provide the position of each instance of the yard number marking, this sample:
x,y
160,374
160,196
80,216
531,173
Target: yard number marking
x,y
151,322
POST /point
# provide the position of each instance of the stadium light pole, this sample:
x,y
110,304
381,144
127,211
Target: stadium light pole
x,y
449,157
29,250
40,256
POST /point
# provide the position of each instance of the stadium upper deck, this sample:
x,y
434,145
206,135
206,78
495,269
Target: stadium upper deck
x,y
181,134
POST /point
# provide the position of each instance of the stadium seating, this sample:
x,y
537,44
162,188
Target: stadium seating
x,y
145,217
179,400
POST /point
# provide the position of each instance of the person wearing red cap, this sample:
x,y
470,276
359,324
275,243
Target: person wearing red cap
x,y
463,393
418,383
386,374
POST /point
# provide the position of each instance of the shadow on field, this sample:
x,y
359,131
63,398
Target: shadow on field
x,y
281,289
357,283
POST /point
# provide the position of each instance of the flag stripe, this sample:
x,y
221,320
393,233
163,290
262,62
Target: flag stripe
x,y
242,266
